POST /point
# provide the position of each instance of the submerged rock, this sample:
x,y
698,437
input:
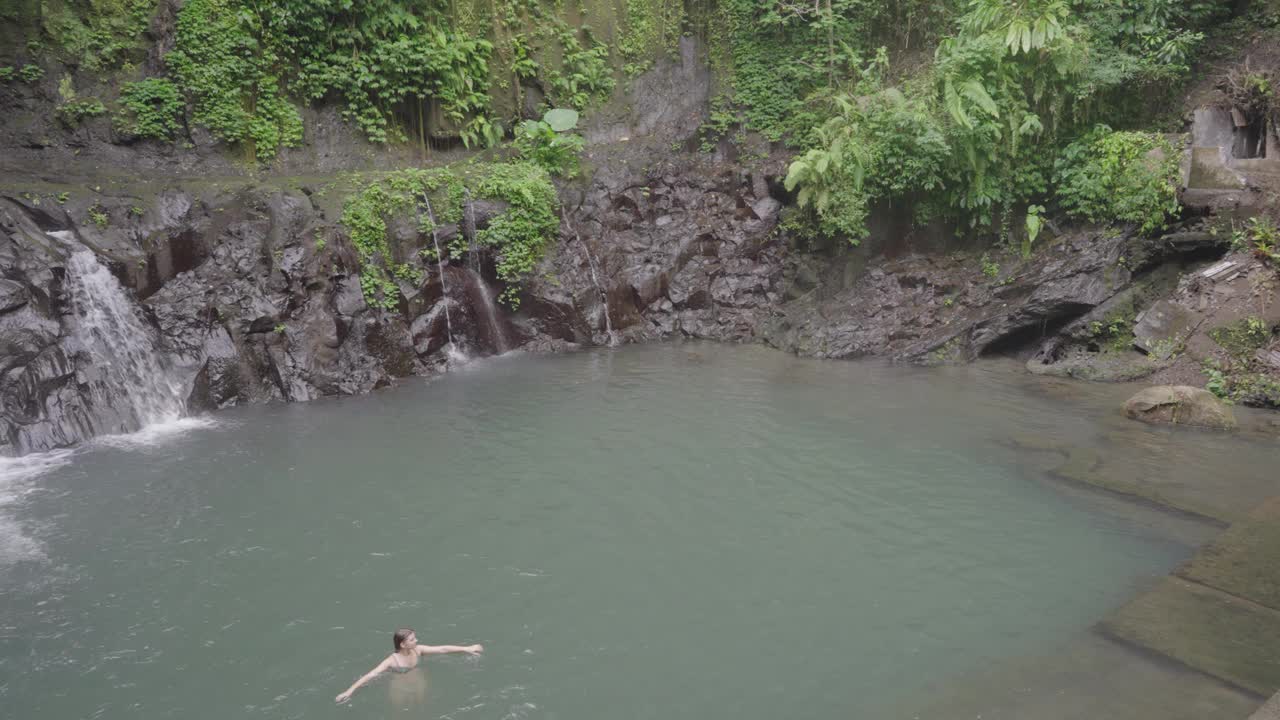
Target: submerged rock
x,y
1180,405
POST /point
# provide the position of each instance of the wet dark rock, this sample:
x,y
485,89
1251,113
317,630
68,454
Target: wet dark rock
x,y
12,295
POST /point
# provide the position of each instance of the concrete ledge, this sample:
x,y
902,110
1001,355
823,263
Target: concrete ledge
x,y
1226,637
1270,711
1243,560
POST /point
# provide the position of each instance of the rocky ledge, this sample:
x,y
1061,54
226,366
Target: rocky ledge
x,y
252,289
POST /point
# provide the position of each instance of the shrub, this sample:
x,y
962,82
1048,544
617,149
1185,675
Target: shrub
x,y
151,108
73,112
1126,176
557,153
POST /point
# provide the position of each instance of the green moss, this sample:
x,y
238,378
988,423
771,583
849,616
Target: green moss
x,y
1242,338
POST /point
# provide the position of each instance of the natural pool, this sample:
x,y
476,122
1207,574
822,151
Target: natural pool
x,y
668,531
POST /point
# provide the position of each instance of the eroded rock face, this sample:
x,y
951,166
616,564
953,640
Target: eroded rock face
x,y
1180,405
683,249
254,291
930,307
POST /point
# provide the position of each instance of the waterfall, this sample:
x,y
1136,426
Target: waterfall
x,y
444,290
488,309
121,344
595,280
469,229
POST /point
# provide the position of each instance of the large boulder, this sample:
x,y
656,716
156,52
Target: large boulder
x,y
1180,405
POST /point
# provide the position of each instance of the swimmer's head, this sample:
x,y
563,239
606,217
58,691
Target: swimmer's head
x,y
402,636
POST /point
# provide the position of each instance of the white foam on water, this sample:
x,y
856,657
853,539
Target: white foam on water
x,y
457,356
155,433
16,475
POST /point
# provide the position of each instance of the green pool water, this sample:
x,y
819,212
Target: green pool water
x,y
670,531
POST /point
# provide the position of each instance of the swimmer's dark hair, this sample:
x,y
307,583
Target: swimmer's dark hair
x,y
400,636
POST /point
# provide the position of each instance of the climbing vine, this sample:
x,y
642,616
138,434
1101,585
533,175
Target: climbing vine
x,y
227,59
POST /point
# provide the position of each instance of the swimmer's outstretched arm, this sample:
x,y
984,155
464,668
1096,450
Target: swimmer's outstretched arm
x,y
442,649
345,695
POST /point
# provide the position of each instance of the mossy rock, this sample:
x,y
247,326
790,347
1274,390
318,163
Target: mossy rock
x,y
1227,637
1180,405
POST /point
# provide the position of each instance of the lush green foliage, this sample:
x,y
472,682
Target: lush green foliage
x,y
151,108
395,65
399,69
1243,337
881,145
1119,176
974,138
557,153
31,74
786,57
519,235
105,35
73,112
378,55
534,44
1261,237
586,75
651,26
1242,378
227,59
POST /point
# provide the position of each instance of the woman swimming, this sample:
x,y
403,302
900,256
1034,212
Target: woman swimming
x,y
405,658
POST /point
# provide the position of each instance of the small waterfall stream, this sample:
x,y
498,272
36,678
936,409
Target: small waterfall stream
x,y
595,280
122,345
488,311
444,289
469,229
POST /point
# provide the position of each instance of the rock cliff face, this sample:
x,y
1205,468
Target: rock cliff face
x,y
254,294
253,290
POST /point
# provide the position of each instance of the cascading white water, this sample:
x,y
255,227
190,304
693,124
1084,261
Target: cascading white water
x,y
489,309
473,252
122,345
595,280
444,289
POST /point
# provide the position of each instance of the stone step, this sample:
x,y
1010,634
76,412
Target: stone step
x,y
1244,560
1218,634
1269,711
